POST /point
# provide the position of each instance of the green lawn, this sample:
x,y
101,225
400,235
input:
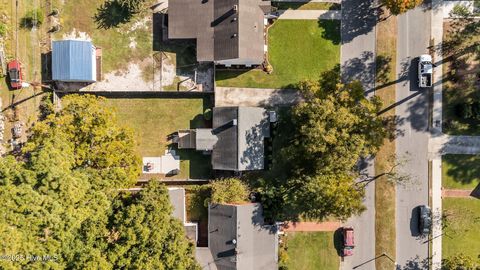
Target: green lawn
x,y
154,119
462,234
298,50
460,171
311,251
306,5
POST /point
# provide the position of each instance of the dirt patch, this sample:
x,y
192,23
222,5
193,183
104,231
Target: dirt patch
x,y
131,79
75,34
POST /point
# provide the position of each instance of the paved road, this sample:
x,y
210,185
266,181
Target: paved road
x,y
357,55
412,107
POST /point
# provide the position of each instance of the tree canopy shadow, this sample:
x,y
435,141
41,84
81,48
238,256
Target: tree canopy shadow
x,y
332,30
357,19
112,13
465,170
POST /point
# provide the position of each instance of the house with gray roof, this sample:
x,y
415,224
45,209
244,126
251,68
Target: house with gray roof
x,y
74,61
239,239
227,32
236,140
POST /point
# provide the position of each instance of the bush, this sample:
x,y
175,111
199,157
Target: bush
x,y
33,18
3,29
460,11
208,114
468,111
229,190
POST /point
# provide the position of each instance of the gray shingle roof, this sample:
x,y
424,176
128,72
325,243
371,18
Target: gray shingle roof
x,y
241,132
224,29
239,239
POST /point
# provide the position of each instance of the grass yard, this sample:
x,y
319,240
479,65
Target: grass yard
x,y
462,234
21,105
311,251
154,119
460,84
306,5
460,171
295,55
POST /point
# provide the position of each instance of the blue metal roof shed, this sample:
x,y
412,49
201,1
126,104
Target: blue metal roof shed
x,y
73,61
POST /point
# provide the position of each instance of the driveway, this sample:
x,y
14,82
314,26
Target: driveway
x,y
255,97
357,63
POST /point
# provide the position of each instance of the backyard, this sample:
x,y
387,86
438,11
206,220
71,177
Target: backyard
x,y
311,251
462,232
154,119
460,171
295,55
461,87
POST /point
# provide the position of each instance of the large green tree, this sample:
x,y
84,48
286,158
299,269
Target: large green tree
x,y
335,126
144,235
57,198
229,190
317,146
400,6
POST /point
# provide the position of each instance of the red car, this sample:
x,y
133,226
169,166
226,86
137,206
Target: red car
x,y
348,241
15,74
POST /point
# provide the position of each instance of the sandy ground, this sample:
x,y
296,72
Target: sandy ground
x,y
128,80
75,34
257,97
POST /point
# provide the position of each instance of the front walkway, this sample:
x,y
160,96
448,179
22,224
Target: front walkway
x,y
329,226
255,97
465,193
309,14
446,144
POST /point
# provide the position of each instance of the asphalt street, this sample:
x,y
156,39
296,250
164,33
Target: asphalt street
x,y
357,63
412,108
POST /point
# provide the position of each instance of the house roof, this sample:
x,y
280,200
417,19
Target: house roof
x,y
73,61
239,239
241,132
224,29
205,139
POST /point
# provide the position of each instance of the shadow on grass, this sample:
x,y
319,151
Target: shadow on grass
x,y
185,49
464,169
331,30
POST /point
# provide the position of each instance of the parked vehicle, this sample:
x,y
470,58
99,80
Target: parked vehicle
x,y
425,71
15,74
424,219
348,241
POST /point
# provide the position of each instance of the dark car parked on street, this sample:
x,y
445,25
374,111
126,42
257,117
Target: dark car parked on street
x,y
424,219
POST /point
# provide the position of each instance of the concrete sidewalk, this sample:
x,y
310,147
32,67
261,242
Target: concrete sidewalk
x,y
434,146
311,226
458,193
446,144
309,14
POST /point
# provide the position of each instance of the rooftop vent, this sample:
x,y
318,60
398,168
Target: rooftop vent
x,y
235,7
